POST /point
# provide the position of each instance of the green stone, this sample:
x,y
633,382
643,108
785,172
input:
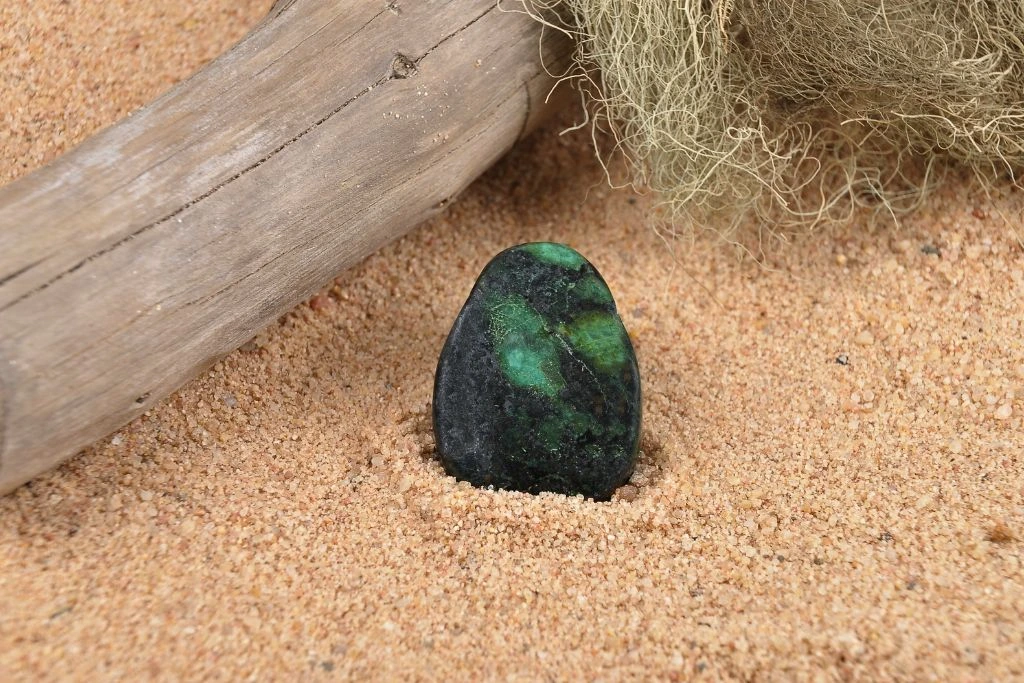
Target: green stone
x,y
537,387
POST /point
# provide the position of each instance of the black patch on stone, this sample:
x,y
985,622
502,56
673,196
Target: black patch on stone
x,y
566,417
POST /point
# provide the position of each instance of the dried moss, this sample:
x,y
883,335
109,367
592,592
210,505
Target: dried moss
x,y
800,111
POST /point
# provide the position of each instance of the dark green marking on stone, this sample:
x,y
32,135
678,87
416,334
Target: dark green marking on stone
x,y
600,338
555,254
526,351
593,289
537,387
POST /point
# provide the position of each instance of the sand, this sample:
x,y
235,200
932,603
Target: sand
x,y
831,485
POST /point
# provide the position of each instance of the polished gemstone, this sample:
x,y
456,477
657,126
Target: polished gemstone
x,y
537,387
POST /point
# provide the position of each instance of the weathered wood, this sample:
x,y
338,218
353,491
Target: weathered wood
x,y
156,247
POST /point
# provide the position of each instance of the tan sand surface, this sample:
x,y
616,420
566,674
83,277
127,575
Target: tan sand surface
x,y
283,517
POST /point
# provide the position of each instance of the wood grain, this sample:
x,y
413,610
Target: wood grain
x,y
166,241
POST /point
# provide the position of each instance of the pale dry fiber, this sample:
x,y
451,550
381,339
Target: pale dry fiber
x,y
793,518
801,111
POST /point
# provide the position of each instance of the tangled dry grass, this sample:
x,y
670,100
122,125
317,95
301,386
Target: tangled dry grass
x,y
801,112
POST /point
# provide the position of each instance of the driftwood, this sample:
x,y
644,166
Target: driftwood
x,y
137,260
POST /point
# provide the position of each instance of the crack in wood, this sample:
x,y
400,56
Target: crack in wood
x,y
216,188
175,152
457,31
281,6
245,277
21,271
317,32
421,172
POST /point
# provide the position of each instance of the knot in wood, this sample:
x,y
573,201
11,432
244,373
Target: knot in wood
x,y
403,67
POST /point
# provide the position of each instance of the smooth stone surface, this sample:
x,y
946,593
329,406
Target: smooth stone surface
x,y
537,387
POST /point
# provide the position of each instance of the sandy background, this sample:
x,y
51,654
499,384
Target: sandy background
x,y
282,517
